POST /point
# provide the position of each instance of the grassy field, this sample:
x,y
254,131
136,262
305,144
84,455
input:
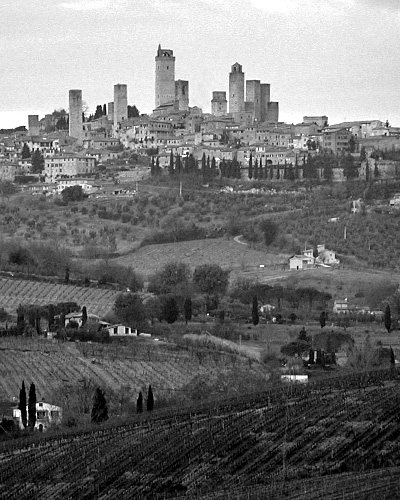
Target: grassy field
x,y
227,253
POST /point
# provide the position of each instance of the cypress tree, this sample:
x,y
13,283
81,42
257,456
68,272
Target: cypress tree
x,y
251,166
104,109
152,167
26,152
22,405
157,169
388,318
84,316
99,409
322,319
204,168
188,309
256,174
213,167
254,312
150,399
171,164
67,275
32,406
311,357
139,403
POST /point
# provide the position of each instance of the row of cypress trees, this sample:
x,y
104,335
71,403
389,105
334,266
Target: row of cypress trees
x,y
100,409
28,419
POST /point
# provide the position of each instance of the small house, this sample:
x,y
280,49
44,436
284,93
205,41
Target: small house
x,y
46,415
301,262
341,306
120,330
76,317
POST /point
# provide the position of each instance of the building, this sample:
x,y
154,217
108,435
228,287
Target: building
x,y
300,262
321,121
165,76
182,94
253,95
236,89
75,115
219,104
120,104
265,96
76,318
336,140
120,330
56,167
33,125
46,416
341,306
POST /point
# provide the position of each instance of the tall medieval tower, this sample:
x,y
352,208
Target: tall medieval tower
x,y
236,89
165,76
120,103
75,115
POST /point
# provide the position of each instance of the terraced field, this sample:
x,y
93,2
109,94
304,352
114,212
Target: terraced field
x,y
335,439
50,364
14,292
229,254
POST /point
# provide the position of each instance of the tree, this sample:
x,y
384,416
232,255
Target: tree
x,y
66,277
250,167
26,152
170,310
136,282
270,230
99,409
32,406
211,278
84,316
254,311
392,360
139,403
322,319
22,405
37,162
388,318
311,357
150,399
187,306
72,193
171,164
129,309
352,144
133,112
256,173
350,170
172,274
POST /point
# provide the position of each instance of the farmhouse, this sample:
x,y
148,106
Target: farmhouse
x,y
120,330
341,306
301,262
46,415
76,317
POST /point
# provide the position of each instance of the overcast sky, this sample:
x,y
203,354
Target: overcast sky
x,y
340,58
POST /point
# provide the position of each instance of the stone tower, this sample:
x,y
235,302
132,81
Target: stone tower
x,y
110,111
219,104
265,99
236,89
182,94
273,112
75,115
120,103
253,94
33,125
165,76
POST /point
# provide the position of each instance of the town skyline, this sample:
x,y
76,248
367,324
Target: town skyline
x,y
317,62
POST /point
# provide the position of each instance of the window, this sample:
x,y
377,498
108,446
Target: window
x,y
54,414
115,330
41,414
126,330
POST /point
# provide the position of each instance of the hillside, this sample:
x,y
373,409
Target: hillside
x,y
136,364
321,441
14,292
227,253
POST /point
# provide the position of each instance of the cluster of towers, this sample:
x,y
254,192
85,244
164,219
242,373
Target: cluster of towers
x,y
255,105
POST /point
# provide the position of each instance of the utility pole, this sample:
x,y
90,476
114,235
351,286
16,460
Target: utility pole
x,y
180,189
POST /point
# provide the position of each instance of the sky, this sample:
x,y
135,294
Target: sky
x,y
339,58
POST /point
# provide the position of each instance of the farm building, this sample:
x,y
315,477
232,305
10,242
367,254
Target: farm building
x,y
119,330
341,306
46,415
326,256
76,317
298,262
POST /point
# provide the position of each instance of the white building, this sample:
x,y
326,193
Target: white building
x,y
68,166
120,330
46,415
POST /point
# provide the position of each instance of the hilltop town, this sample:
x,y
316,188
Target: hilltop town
x,y
68,148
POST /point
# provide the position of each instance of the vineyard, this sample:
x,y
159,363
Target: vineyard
x,y
14,292
138,363
335,439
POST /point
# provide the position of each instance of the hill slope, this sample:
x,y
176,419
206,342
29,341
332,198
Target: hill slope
x,y
14,292
300,443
